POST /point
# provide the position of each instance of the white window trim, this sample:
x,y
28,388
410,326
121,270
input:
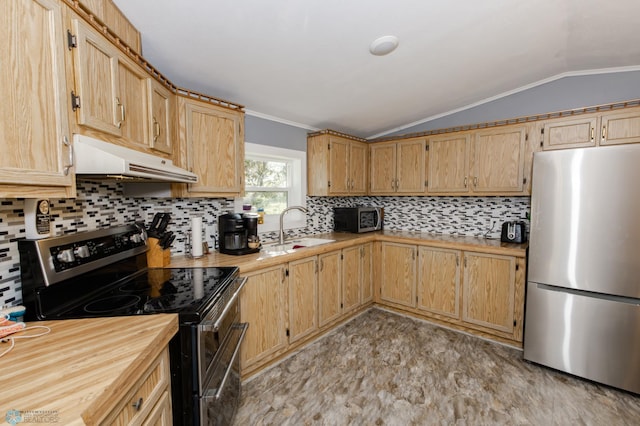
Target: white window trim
x,y
294,218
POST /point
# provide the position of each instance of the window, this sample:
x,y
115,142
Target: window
x,y
275,178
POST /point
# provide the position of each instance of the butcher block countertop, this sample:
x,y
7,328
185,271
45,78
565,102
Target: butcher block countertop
x,y
256,261
82,368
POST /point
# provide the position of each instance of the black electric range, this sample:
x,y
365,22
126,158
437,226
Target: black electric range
x,y
104,273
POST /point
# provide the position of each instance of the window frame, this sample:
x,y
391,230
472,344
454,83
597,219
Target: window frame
x,y
298,189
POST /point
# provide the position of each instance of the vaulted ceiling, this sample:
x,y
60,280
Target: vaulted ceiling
x,y
308,61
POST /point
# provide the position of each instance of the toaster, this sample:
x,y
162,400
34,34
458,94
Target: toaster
x,y
514,232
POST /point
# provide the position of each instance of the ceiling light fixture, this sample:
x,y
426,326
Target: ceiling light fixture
x,y
383,45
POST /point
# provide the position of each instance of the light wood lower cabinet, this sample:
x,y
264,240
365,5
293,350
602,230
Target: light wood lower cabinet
x,y
477,292
439,281
148,401
398,275
489,291
303,298
263,303
329,287
289,304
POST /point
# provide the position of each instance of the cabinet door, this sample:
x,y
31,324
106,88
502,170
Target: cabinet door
x,y
131,100
303,298
161,414
383,168
263,304
358,167
34,126
366,276
339,165
351,275
213,139
439,281
619,128
488,291
329,286
449,163
410,173
498,160
96,74
576,133
398,274
160,120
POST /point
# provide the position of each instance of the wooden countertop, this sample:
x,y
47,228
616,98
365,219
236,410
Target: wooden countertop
x,y
261,260
81,368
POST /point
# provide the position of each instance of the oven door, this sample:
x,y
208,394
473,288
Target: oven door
x,y
221,396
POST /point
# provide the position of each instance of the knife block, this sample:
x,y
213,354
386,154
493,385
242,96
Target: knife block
x,y
157,257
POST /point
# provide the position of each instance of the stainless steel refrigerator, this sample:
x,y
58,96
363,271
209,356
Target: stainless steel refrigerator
x,y
583,287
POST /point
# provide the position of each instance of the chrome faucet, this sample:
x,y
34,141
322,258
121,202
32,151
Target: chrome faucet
x,y
281,235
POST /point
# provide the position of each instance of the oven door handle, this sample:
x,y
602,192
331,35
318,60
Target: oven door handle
x,y
207,325
227,373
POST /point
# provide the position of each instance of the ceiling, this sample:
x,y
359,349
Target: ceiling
x,y
308,62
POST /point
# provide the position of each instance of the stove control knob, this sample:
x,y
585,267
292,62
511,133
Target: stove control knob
x,y
65,256
136,238
82,252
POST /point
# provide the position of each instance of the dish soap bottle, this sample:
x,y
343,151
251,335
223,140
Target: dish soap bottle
x,y
260,216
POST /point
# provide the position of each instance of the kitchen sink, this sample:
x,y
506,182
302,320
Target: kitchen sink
x,y
291,245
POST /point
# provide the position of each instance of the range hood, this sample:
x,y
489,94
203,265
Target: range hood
x,y
98,159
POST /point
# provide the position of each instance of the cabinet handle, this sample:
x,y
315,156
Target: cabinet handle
x,y
397,184
156,130
65,141
593,134
122,112
465,181
138,404
604,133
475,181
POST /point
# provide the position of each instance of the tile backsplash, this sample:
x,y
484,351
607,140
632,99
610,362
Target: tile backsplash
x,y
102,204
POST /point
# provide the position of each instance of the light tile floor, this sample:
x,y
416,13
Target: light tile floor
x,y
386,369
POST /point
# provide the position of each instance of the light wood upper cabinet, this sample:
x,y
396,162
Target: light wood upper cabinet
x,y
398,167
303,298
383,168
439,281
132,102
588,130
498,160
112,17
96,80
621,127
489,291
112,89
449,163
336,165
263,304
398,274
212,147
329,287
569,133
483,162
161,117
34,115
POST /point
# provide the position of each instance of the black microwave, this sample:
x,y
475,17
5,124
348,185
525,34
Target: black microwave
x,y
357,219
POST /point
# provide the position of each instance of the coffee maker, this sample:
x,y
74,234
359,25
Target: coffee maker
x,y
238,233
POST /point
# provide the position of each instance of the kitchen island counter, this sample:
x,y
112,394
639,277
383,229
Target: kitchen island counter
x,y
80,371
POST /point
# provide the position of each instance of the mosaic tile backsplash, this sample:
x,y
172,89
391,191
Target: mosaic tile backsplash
x,y
102,204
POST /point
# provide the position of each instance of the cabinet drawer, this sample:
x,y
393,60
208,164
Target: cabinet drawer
x,y
136,406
